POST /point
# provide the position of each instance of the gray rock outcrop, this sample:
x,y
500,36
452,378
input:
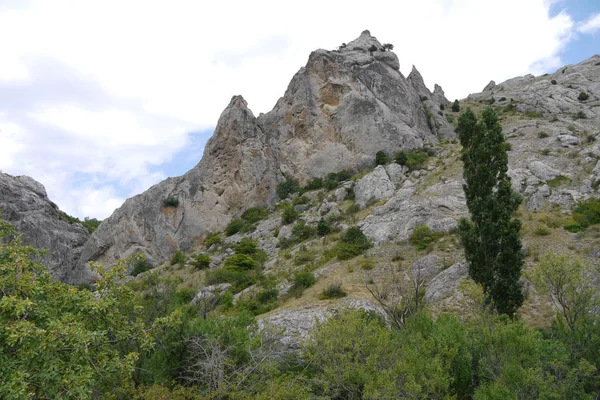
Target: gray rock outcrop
x,y
25,204
375,185
337,112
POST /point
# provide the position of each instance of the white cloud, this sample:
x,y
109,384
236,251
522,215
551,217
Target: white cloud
x,y
137,76
590,25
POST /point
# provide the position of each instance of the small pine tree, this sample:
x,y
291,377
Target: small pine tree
x,y
381,158
455,106
491,237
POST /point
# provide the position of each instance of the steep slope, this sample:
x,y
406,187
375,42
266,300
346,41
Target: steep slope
x,y
337,112
25,204
347,104
238,170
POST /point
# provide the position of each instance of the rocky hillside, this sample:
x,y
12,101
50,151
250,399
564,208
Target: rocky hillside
x,y
25,204
338,110
409,212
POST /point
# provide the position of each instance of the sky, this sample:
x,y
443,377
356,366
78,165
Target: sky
x,y
99,100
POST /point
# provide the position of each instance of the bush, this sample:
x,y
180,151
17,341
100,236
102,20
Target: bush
x,y
234,227
314,184
302,231
178,258
289,214
583,96
301,200
304,279
255,214
201,261
287,187
542,134
587,213
381,158
140,264
541,230
323,227
250,248
239,279
455,106
240,262
212,238
333,291
352,209
352,243
171,201
553,81
580,115
422,237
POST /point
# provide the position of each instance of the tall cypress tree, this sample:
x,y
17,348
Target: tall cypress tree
x,y
491,236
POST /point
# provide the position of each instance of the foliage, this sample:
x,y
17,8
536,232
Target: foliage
x,y
388,47
569,282
455,106
558,181
491,237
250,248
314,184
201,261
587,213
422,237
255,214
333,179
91,224
381,158
58,341
139,263
171,201
352,243
333,291
234,226
287,187
583,96
413,159
212,238
323,227
289,214
178,257
300,200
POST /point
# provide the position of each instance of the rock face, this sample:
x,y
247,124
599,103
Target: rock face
x,y
375,185
25,204
238,171
338,111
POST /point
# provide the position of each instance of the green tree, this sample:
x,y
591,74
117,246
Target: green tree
x,y
58,341
491,237
455,106
381,158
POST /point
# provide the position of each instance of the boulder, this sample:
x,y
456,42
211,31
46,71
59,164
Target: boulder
x,y
375,185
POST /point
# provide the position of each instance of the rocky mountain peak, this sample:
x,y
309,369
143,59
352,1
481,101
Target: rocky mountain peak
x,y
363,43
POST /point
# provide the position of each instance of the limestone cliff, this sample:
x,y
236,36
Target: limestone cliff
x,y
25,204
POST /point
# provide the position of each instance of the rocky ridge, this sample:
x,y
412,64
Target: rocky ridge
x,y
338,110
25,204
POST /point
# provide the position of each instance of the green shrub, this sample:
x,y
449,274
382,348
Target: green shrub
x,y
239,279
212,238
323,227
289,214
250,248
333,179
533,114
508,146
304,257
140,264
580,115
304,279
240,262
583,96
352,209
401,158
333,291
367,264
542,134
553,81
541,230
558,181
178,258
300,200
171,201
413,159
302,231
287,187
450,118
201,261
255,214
573,228
455,106
381,158
352,243
233,227
422,237
587,213
314,184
